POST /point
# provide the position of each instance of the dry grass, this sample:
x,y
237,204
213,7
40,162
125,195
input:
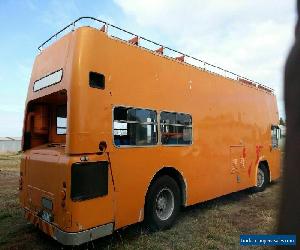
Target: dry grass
x,y
215,224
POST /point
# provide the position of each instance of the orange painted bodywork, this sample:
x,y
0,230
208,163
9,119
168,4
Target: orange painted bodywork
x,y
231,123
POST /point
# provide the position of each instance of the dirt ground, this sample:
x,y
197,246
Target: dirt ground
x,y
215,224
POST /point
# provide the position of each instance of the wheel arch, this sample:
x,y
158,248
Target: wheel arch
x,y
265,163
177,176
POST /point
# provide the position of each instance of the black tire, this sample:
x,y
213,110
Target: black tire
x,y
266,178
162,187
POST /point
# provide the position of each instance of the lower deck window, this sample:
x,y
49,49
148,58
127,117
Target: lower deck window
x,y
134,127
176,128
138,127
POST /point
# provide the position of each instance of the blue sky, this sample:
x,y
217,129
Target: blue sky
x,y
250,37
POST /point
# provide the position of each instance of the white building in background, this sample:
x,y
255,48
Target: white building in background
x,y
10,144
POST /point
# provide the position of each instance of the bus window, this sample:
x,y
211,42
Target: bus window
x,y
275,136
61,120
134,127
97,80
176,128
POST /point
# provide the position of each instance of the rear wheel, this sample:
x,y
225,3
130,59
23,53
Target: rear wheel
x,y
162,203
262,179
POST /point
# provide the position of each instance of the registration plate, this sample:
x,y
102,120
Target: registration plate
x,y
47,216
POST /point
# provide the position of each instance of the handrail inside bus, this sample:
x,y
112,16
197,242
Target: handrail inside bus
x,y
161,49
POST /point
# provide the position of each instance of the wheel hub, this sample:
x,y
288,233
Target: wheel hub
x,y
260,178
161,203
164,204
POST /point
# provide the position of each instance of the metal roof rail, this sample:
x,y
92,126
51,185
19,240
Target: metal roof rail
x,y
161,50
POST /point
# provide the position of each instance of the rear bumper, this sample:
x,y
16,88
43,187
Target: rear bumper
x,y
83,236
67,238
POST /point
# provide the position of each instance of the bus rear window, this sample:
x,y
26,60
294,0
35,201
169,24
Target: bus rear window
x,y
46,120
61,120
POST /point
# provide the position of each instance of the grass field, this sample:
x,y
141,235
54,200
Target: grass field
x,y
215,224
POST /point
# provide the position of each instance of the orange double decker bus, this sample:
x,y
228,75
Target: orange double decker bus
x,y
117,133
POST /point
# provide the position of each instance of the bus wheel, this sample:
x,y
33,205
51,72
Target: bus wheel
x,y
162,203
262,179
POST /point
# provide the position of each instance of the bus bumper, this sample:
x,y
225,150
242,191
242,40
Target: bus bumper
x,y
67,238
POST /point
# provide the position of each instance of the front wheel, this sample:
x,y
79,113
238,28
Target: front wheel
x,y
162,203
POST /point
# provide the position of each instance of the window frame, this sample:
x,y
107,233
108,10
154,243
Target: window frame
x,y
135,122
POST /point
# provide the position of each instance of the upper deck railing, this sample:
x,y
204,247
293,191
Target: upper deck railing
x,y
119,33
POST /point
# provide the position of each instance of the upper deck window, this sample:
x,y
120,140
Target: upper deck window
x,y
96,80
135,127
176,128
48,80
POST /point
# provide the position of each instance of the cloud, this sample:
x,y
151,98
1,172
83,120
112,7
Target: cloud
x,y
249,37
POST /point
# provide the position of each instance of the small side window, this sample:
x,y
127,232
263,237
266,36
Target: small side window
x,y
97,80
275,136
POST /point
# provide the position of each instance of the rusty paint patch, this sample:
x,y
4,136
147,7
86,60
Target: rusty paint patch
x,y
41,224
244,152
258,151
249,169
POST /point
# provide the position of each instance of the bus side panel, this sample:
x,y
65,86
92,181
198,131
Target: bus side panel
x,y
225,114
